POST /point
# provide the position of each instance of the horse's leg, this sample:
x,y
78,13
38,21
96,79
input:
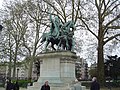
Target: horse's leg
x,y
67,45
72,45
64,46
59,44
52,45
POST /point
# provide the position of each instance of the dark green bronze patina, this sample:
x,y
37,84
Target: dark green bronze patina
x,y
60,35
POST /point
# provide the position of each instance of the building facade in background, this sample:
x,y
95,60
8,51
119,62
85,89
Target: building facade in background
x,y
81,69
21,71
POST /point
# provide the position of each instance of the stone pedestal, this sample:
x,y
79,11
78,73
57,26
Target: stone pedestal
x,y
58,68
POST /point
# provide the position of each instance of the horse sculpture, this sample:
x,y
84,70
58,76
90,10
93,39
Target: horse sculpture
x,y
49,39
64,40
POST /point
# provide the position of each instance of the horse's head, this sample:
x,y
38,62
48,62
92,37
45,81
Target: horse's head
x,y
68,27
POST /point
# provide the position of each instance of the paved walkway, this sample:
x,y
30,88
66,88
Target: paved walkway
x,y
22,89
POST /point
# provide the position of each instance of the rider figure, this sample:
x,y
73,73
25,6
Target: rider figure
x,y
55,27
67,34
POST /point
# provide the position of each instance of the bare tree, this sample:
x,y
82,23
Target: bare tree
x,y
16,23
23,20
102,20
36,25
65,9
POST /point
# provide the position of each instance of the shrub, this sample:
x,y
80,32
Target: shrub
x,y
23,83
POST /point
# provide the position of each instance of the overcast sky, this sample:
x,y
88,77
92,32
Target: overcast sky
x,y
1,3
114,52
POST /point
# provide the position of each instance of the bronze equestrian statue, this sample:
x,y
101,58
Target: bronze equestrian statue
x,y
60,35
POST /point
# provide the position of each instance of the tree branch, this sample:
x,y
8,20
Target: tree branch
x,y
54,8
77,11
117,17
73,7
105,8
111,4
88,27
114,27
62,8
117,39
96,4
110,38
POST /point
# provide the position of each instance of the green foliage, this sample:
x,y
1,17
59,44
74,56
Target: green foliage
x,y
112,67
1,84
23,83
93,72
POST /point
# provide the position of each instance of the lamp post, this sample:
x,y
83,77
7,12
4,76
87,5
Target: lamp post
x,y
17,72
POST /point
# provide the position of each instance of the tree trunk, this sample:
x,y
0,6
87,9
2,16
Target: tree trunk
x,y
14,69
15,59
10,62
9,67
30,68
100,64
